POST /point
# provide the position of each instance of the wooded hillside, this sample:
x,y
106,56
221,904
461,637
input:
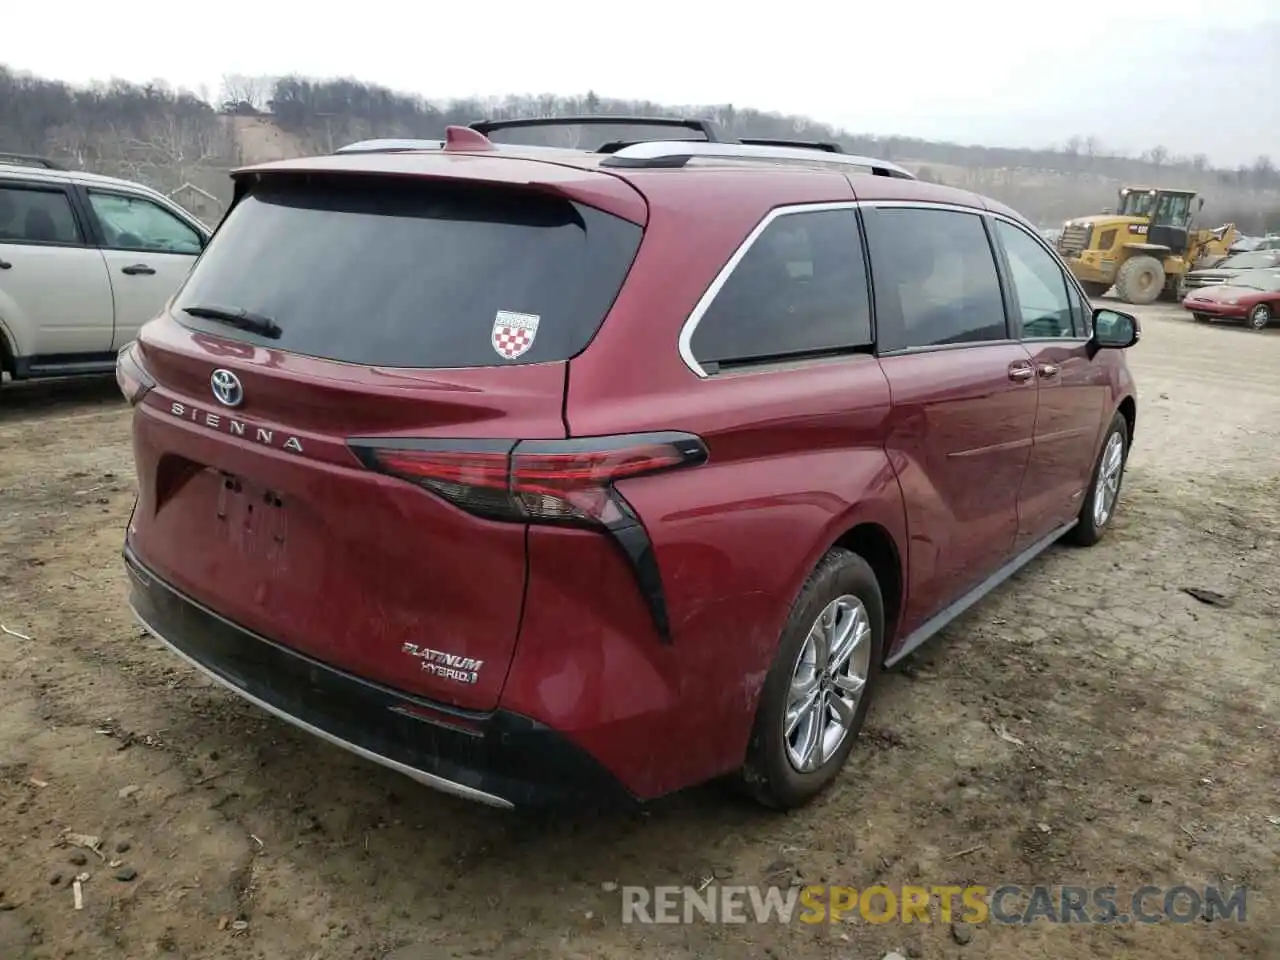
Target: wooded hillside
x,y
166,138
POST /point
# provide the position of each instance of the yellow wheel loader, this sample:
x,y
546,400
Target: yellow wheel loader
x,y
1145,247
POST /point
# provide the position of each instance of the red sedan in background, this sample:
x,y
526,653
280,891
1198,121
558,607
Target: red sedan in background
x,y
1253,297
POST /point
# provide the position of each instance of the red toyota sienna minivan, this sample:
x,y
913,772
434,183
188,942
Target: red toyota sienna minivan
x,y
547,475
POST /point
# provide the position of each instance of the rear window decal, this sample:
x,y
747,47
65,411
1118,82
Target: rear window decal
x,y
513,333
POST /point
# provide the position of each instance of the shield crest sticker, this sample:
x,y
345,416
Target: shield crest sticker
x,y
513,333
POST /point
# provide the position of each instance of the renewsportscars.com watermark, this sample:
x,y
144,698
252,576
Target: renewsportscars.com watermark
x,y
1005,904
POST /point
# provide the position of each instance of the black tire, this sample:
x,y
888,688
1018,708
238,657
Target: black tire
x,y
1259,317
1088,530
1140,280
768,774
1095,290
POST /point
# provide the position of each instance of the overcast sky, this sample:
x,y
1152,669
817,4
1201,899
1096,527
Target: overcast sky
x,y
1205,79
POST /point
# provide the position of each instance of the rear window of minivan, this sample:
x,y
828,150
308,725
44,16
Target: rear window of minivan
x,y
412,274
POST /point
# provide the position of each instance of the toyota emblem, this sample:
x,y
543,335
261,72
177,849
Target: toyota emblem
x,y
227,389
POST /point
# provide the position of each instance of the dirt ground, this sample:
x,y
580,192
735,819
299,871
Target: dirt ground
x,y
1149,742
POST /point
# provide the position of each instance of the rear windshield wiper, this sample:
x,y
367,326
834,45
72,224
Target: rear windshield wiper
x,y
258,323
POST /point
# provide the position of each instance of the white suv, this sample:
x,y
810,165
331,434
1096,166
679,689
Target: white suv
x,y
85,260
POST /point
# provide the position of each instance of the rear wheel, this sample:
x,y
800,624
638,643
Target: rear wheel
x,y
1259,317
1103,498
1140,280
817,692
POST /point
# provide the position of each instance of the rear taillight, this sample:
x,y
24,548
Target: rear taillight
x,y
135,383
567,482
533,481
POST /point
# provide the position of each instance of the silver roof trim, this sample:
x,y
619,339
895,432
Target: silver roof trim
x,y
393,145
672,149
389,145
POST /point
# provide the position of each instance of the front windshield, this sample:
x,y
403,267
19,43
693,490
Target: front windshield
x,y
1136,204
1251,260
1268,282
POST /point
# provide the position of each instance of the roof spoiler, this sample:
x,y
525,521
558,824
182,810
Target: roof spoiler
x,y
28,160
704,127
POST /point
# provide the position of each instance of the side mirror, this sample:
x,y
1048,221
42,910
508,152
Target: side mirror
x,y
1115,330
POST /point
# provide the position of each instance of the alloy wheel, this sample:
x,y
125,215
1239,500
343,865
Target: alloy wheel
x,y
827,683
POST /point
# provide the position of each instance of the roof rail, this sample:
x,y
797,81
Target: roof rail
x,y
823,145
613,146
390,145
704,127
660,153
409,146
28,160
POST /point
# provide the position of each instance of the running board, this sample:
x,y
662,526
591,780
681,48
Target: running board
x,y
925,632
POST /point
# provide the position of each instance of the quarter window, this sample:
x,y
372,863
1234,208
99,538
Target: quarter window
x,y
1083,310
935,279
800,290
1039,284
132,223
37,216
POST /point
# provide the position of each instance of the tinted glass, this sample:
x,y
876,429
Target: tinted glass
x,y
36,216
800,289
1038,283
420,275
935,279
132,223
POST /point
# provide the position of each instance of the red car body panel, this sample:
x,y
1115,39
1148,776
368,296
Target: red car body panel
x,y
1083,391
797,489
940,456
350,587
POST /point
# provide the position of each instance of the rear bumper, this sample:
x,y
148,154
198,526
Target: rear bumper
x,y
501,758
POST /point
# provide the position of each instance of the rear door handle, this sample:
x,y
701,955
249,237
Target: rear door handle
x,y
138,268
1021,372
5,264
1048,369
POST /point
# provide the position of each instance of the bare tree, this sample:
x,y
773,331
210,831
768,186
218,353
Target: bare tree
x,y
169,151
239,88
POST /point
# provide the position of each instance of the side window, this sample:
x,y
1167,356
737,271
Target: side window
x,y
801,288
1039,285
132,223
935,279
37,216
